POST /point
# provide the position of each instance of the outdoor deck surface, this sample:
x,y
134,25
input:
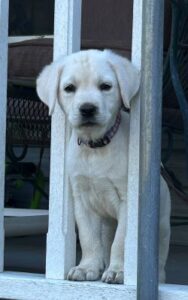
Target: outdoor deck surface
x,y
27,254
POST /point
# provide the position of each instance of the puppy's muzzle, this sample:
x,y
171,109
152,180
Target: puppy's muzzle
x,y
88,110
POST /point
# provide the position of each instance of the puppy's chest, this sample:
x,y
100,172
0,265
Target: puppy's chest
x,y
110,162
98,177
99,194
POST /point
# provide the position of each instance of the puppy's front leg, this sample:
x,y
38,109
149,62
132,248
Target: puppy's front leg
x,y
114,273
92,262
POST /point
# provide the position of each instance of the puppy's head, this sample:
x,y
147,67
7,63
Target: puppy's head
x,y
90,86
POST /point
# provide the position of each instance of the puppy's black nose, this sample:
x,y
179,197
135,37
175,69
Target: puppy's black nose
x,y
88,110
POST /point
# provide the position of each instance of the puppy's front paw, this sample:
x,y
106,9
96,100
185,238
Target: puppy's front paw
x,y
82,274
111,276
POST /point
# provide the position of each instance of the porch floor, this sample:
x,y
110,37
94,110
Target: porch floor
x,y
27,254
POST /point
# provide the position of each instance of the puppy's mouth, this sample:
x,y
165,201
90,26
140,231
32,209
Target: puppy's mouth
x,y
88,123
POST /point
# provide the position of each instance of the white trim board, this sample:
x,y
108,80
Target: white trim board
x,y
24,212
20,222
22,286
16,39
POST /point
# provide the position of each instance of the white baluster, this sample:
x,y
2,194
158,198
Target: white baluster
x,y
61,244
133,171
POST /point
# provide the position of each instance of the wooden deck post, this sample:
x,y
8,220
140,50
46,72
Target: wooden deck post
x,y
61,246
131,246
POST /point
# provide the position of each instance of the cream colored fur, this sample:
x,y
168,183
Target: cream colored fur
x,y
99,176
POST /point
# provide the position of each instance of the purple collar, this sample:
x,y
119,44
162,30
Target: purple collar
x,y
106,139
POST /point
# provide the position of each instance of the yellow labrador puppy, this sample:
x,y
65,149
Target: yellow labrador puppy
x,y
91,87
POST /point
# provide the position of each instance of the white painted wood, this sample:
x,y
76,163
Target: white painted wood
x,y
61,244
21,222
31,287
133,170
22,286
3,101
25,212
173,292
16,39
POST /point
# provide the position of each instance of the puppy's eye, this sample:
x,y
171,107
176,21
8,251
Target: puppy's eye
x,y
105,86
70,88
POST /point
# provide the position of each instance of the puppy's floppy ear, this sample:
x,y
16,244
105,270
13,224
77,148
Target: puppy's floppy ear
x,y
127,74
48,84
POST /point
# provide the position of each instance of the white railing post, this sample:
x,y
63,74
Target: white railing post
x,y
131,241
4,5
61,246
